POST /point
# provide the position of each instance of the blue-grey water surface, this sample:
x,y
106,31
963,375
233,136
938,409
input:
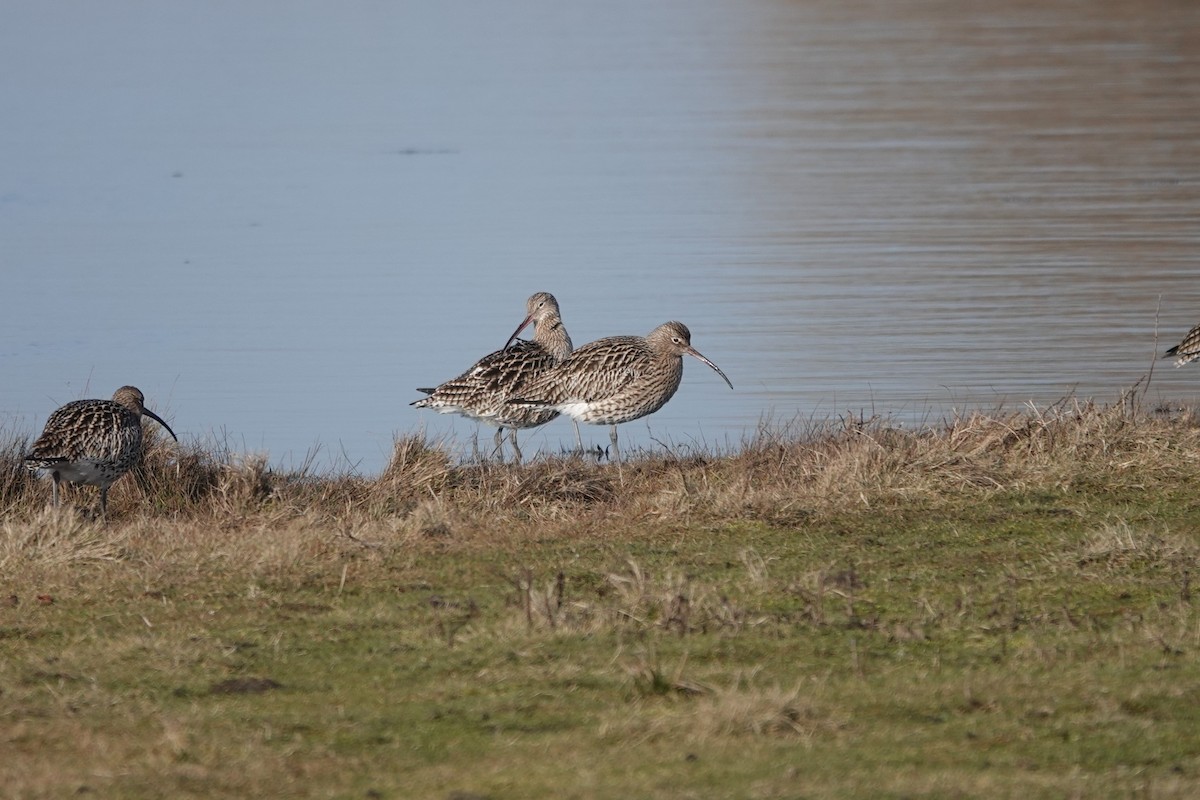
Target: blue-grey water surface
x,y
278,222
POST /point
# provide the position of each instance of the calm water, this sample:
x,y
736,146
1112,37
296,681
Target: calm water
x,y
277,225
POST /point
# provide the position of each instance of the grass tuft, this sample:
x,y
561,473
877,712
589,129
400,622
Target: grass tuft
x,y
57,538
416,472
999,604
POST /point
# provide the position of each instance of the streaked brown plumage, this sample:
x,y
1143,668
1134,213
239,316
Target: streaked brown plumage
x,y
483,391
93,442
617,379
1188,349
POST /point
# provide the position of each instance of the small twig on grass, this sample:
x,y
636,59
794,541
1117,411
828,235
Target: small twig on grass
x,y
359,541
524,586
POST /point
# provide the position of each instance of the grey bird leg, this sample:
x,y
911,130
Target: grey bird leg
x,y
56,478
498,452
612,435
578,438
104,504
512,432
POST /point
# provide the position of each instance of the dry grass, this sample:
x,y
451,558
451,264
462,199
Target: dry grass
x,y
742,708
773,478
1000,605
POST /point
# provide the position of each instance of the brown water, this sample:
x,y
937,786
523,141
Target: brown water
x,y
279,228
961,202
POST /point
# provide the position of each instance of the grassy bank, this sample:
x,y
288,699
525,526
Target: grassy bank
x,y
1000,607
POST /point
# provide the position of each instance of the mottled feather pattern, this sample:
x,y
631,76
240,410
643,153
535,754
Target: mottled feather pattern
x,y
484,391
93,441
1187,350
98,430
550,334
617,379
609,381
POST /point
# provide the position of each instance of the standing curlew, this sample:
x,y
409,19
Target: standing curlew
x,y
1188,349
483,392
617,379
94,441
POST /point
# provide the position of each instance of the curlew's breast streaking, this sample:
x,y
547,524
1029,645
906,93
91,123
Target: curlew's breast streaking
x,y
484,391
1188,349
617,379
93,442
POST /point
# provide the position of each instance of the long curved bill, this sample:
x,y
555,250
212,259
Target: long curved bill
x,y
694,352
147,412
520,328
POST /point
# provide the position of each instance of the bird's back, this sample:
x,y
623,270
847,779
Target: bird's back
x,y
609,381
85,438
484,391
1188,349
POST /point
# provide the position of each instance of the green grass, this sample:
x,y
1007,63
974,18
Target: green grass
x,y
1002,608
